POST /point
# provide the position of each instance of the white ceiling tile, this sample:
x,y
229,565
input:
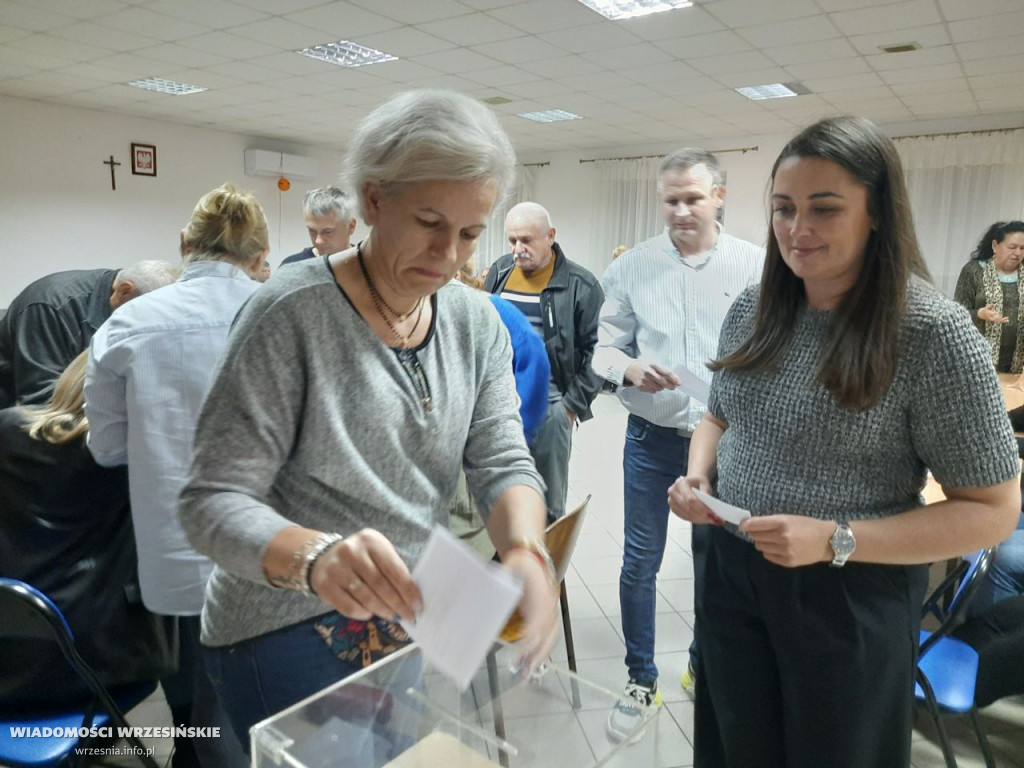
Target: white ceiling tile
x,y
931,111
36,61
104,37
345,78
738,62
496,77
871,93
80,9
67,82
342,21
284,33
46,44
1014,63
247,71
289,62
679,23
217,15
643,54
540,16
832,6
987,27
714,43
1002,80
927,37
473,29
231,46
956,10
528,47
445,82
592,37
406,42
456,61
949,98
156,25
752,77
416,12
400,71
915,13
536,89
994,93
274,7
563,66
958,84
172,53
919,74
596,81
925,57
807,30
197,76
659,73
805,53
844,82
631,93
34,19
11,33
686,87
743,13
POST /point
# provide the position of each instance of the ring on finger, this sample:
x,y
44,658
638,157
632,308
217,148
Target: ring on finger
x,y
355,584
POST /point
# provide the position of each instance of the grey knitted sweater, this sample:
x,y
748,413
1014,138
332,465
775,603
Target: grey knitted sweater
x,y
314,421
789,448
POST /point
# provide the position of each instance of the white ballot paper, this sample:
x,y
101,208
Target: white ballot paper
x,y
466,602
727,512
692,384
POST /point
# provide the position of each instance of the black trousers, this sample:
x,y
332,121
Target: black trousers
x,y
805,667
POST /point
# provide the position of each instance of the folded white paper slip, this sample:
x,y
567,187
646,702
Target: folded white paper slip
x,y
727,512
466,602
692,384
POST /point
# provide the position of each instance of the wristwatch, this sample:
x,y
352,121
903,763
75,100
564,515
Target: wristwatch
x,y
843,543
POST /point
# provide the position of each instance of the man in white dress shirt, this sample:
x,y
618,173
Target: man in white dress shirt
x,y
665,302
150,367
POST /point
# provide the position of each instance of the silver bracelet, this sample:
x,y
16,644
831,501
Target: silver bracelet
x,y
321,544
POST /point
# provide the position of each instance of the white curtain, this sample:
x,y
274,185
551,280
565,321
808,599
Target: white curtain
x,y
627,210
959,186
492,244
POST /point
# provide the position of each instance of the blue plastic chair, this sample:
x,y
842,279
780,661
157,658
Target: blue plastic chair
x,y
28,613
947,668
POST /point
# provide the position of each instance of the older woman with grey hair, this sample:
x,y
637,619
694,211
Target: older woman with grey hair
x,y
351,394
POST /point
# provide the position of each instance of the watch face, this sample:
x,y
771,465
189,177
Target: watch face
x,y
843,542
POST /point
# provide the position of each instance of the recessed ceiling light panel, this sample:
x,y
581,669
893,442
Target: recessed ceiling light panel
x,y
772,91
550,116
347,54
166,86
630,9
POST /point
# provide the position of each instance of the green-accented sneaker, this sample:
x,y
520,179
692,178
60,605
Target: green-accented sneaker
x,y
689,681
630,713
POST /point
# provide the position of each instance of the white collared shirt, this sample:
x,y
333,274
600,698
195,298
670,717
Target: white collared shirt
x,y
661,308
150,367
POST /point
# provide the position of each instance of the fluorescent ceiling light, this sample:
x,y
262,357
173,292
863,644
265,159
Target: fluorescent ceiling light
x,y
347,54
550,116
773,91
166,86
629,9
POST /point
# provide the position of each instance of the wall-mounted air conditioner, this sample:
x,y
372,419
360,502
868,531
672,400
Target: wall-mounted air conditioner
x,y
262,162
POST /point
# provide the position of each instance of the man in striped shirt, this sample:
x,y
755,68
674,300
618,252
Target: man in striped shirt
x,y
665,301
562,300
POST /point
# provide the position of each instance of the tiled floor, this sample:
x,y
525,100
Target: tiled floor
x,y
593,592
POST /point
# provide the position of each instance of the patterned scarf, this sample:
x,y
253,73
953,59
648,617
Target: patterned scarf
x,y
994,297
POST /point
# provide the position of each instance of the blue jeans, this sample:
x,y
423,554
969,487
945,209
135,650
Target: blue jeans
x,y
652,460
257,678
1006,576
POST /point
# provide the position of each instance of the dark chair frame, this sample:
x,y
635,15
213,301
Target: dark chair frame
x,y
28,613
948,604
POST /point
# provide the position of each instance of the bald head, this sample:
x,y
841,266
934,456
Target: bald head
x,y
530,236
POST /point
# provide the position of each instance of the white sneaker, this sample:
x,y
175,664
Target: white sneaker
x,y
632,710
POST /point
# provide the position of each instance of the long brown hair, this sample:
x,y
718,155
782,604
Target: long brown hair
x,y
858,361
62,418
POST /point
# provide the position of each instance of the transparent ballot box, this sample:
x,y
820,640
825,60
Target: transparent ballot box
x,y
398,713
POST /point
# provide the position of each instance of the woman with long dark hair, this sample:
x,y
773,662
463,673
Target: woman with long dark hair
x,y
839,383
990,286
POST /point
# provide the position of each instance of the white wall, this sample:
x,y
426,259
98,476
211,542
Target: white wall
x,y
57,210
566,188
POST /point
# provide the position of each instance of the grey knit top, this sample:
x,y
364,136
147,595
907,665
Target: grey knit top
x,y
314,421
790,449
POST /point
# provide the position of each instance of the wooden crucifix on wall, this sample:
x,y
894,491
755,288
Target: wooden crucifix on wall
x,y
111,162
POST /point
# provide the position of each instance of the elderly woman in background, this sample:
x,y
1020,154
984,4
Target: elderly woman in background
x,y
354,388
831,399
991,287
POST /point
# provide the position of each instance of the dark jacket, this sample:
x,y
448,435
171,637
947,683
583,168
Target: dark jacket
x,y
46,327
66,529
305,253
570,307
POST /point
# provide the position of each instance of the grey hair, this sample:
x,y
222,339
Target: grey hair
x,y
419,136
329,200
147,276
687,157
531,210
